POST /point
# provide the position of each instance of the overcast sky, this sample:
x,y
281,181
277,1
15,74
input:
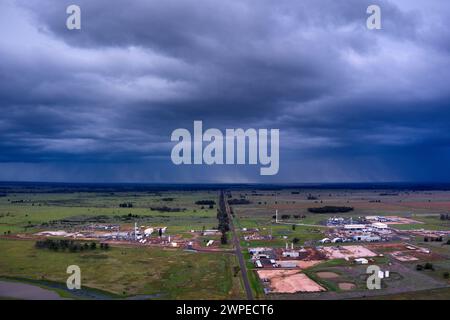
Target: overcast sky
x,y
99,104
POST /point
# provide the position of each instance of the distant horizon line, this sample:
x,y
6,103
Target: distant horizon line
x,y
231,183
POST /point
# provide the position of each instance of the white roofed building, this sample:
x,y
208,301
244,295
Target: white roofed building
x,y
379,225
354,226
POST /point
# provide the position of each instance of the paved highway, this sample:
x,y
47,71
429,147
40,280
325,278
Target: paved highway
x,y
237,245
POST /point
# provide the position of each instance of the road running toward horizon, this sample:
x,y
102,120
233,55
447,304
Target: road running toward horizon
x,y
237,245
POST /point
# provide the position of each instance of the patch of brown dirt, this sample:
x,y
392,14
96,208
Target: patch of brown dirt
x,y
327,275
346,286
289,281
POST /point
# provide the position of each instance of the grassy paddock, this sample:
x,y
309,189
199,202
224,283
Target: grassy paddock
x,y
25,212
172,274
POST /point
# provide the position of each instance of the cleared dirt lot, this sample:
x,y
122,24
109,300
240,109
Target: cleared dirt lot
x,y
401,252
346,286
401,256
306,254
401,220
347,252
289,281
403,278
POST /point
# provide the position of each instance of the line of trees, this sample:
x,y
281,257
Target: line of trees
x,y
68,245
224,223
433,239
288,216
205,202
167,209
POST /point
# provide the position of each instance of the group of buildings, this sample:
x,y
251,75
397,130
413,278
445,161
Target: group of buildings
x,y
371,230
105,232
288,257
263,257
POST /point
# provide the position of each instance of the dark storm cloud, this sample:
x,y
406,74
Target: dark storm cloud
x,y
100,103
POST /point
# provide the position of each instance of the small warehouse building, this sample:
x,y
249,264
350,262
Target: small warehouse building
x,y
354,227
361,261
290,254
367,238
379,225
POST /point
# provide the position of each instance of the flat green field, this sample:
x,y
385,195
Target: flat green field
x,y
424,207
25,212
123,271
429,222
364,202
167,274
153,272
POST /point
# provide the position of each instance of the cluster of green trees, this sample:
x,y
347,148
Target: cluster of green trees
x,y
69,245
330,209
426,266
126,205
205,202
236,270
104,246
129,216
288,216
431,239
